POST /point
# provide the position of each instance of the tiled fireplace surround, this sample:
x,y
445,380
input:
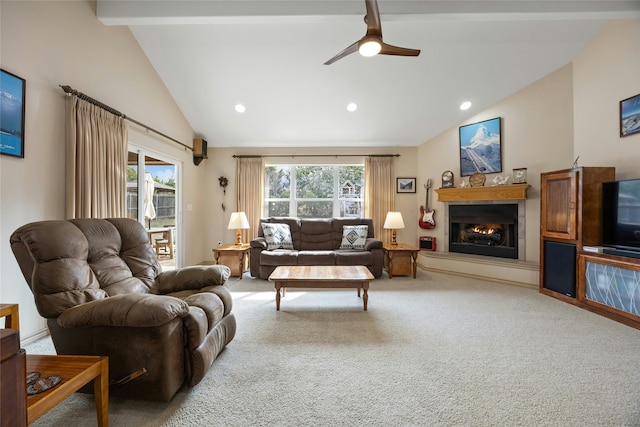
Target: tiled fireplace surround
x,y
512,271
521,221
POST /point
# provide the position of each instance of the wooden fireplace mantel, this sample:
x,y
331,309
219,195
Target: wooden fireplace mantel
x,y
497,192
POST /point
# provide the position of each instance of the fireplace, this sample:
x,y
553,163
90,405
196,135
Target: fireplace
x,y
490,230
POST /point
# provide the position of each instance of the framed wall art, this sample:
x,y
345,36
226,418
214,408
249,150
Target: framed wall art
x,y
630,116
405,185
480,147
520,176
12,93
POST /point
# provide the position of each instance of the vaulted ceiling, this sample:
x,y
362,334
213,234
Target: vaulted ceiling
x,y
269,55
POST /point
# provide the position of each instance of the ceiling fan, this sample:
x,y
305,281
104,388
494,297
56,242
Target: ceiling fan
x,y
371,44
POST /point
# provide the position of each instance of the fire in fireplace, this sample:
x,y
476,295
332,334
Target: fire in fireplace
x,y
483,234
490,230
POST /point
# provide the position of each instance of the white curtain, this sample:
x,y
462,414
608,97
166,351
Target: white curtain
x,y
378,182
96,161
250,193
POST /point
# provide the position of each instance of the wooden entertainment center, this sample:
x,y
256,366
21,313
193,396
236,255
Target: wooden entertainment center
x,y
571,223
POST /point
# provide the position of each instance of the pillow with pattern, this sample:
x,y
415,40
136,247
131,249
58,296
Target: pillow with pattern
x,y
354,236
278,236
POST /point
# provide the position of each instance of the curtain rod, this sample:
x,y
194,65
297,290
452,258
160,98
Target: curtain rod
x,y
70,91
237,156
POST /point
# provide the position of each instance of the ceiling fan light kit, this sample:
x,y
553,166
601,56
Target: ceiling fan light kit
x,y
371,44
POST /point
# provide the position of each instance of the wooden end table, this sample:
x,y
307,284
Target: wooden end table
x,y
236,257
322,276
400,260
76,371
11,314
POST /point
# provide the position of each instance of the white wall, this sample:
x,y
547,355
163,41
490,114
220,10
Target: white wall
x,y
221,163
572,112
61,42
605,73
50,43
539,123
537,133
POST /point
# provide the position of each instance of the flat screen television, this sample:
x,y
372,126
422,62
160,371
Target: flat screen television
x,y
621,214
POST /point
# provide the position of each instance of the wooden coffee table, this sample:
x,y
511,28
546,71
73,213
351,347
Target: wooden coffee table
x,y
322,276
76,371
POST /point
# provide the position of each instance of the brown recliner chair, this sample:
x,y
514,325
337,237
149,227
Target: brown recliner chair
x,y
100,287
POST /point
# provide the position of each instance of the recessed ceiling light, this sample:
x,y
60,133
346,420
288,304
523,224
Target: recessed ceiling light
x,y
352,106
465,105
240,108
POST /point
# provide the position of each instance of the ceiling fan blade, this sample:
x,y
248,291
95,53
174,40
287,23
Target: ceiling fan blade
x,y
348,51
374,34
388,49
372,18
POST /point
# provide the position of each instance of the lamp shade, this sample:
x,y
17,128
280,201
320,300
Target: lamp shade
x,y
238,220
394,220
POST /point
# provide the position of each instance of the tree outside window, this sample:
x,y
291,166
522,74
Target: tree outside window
x,y
314,191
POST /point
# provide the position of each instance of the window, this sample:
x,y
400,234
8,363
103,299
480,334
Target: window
x,y
314,191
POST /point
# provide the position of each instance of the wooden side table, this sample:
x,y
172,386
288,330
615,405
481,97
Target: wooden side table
x,y
236,257
400,260
13,380
10,313
76,371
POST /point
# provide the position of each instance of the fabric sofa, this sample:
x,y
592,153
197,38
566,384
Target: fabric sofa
x,y
100,287
316,242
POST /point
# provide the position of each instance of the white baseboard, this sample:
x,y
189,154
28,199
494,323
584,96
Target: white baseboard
x,y
26,340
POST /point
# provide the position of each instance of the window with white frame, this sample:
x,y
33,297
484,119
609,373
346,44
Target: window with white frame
x,y
314,191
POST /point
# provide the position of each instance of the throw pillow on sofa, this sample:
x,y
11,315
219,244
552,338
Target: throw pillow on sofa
x,y
354,236
278,236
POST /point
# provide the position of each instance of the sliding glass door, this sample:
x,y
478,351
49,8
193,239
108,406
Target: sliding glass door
x,y
152,199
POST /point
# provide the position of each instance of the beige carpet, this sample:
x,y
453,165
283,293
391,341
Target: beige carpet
x,y
437,351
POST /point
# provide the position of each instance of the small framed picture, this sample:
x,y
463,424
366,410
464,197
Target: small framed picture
x,y
520,176
630,116
405,185
12,89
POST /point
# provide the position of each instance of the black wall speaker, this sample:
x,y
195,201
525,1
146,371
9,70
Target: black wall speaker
x,y
560,268
427,243
199,150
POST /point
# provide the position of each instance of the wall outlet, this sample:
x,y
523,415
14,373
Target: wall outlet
x,y
219,243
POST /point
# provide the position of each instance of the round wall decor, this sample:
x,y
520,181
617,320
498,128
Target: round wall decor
x,y
477,179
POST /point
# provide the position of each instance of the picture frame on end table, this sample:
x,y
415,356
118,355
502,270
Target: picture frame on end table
x,y
405,185
13,89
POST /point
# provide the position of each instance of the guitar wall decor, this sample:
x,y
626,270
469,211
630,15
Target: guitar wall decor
x,y
427,220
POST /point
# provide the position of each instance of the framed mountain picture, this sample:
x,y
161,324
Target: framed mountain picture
x,y
480,147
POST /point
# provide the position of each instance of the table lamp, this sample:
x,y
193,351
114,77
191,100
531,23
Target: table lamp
x,y
238,221
393,221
